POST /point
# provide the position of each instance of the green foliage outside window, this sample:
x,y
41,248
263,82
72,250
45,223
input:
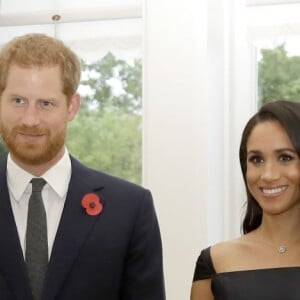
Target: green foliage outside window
x,y
278,76
107,133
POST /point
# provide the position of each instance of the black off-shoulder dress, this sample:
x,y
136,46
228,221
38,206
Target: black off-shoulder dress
x,y
262,284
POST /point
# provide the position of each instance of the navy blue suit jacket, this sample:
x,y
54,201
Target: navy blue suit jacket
x,y
116,255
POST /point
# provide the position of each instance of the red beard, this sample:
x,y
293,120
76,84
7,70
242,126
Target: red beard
x,y
33,152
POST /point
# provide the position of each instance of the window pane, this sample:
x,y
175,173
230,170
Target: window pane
x,y
276,39
278,71
107,132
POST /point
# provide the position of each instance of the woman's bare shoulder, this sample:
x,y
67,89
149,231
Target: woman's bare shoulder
x,y
227,247
230,255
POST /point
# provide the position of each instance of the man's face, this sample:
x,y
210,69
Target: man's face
x,y
34,114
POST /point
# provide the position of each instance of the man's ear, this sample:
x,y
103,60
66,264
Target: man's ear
x,y
73,106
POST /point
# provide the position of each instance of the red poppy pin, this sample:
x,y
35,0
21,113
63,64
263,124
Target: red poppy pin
x,y
91,203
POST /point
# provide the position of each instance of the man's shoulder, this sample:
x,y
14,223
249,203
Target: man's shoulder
x,y
107,180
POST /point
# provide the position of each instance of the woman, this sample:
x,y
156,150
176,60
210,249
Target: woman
x,y
264,263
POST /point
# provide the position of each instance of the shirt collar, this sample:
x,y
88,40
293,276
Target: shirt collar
x,y
58,176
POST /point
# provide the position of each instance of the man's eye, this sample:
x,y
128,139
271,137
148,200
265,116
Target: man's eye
x,y
46,103
18,100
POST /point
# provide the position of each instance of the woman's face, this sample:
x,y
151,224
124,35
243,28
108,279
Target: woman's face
x,y
273,168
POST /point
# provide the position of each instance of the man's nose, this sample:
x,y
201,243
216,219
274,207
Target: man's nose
x,y
31,115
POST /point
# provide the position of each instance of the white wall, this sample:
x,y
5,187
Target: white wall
x,y
196,67
175,141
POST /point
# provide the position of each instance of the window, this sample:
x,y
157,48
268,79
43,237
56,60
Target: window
x,y
277,40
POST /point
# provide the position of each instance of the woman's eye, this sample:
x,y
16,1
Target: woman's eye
x,y
285,157
255,159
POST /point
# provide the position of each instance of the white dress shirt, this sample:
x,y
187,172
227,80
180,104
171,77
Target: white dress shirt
x,y
54,195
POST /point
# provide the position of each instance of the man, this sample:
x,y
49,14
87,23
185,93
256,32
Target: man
x,y
102,235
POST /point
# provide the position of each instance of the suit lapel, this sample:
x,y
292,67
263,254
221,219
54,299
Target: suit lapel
x,y
12,264
74,228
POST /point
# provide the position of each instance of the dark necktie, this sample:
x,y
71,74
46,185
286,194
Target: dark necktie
x,y
36,254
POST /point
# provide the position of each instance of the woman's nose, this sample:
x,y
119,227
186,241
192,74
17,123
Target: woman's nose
x,y
270,172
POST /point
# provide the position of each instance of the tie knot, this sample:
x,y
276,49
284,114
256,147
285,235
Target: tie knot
x,y
37,184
